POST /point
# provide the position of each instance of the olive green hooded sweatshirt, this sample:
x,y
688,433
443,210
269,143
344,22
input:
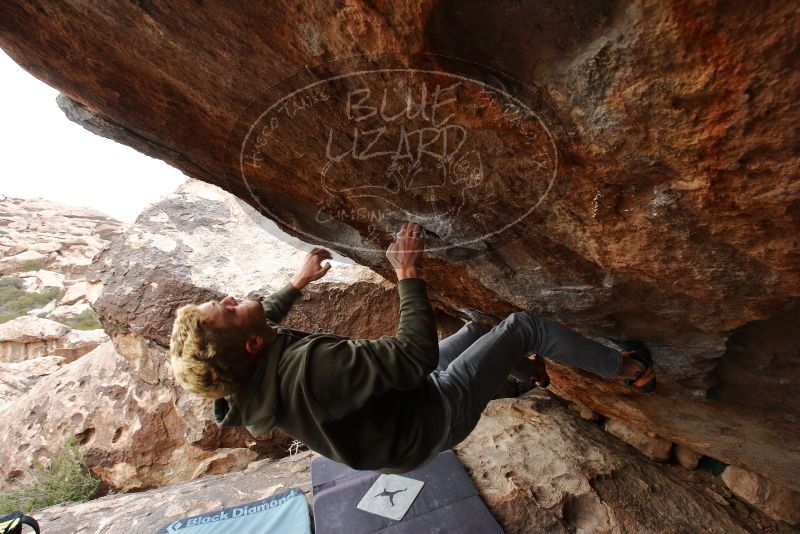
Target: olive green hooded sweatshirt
x,y
366,403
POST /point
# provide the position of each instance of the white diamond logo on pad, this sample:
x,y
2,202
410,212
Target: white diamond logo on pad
x,y
391,496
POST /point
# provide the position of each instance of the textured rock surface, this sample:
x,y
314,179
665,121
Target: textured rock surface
x,y
128,429
63,238
46,247
773,499
32,337
687,457
148,511
651,446
17,378
541,468
674,217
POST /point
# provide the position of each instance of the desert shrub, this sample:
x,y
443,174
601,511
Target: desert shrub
x,y
16,302
86,320
32,265
11,281
66,478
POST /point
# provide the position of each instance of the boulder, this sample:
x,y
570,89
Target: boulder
x,y
127,428
17,378
29,337
621,166
202,243
775,500
225,461
62,237
66,312
16,263
75,292
38,280
688,458
648,444
47,308
539,467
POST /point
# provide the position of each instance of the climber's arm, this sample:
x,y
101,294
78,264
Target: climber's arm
x,y
345,374
278,304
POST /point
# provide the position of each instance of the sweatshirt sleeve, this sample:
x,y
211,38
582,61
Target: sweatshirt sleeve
x,y
345,374
278,304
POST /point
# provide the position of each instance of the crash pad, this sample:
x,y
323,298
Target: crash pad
x,y
446,502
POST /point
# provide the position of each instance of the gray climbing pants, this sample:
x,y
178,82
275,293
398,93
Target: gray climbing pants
x,y
475,362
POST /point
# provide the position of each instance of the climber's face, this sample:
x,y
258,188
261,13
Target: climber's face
x,y
246,316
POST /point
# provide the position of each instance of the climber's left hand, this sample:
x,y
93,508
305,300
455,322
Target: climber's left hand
x,y
312,268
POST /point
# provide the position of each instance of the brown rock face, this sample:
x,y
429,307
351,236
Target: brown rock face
x,y
635,175
653,447
541,468
773,499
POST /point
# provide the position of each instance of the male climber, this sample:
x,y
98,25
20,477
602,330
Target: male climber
x,y
389,404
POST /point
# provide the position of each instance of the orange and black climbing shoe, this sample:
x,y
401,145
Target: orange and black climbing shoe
x,y
645,380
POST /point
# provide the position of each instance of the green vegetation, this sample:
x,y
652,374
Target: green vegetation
x,y
32,265
87,320
66,479
16,302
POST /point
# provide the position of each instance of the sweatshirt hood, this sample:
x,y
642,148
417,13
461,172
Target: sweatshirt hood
x,y
255,405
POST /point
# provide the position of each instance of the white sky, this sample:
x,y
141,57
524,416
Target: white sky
x,y
46,155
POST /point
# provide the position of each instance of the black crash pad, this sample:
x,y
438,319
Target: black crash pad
x,y
447,503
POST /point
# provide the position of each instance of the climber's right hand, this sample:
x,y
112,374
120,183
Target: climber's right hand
x,y
405,252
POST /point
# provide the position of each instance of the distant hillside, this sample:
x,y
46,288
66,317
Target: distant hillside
x,y
45,249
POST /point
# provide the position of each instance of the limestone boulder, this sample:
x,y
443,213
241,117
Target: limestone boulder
x,y
648,444
775,500
29,337
62,239
128,429
540,467
17,378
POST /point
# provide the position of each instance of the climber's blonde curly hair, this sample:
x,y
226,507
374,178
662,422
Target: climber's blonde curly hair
x,y
205,360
